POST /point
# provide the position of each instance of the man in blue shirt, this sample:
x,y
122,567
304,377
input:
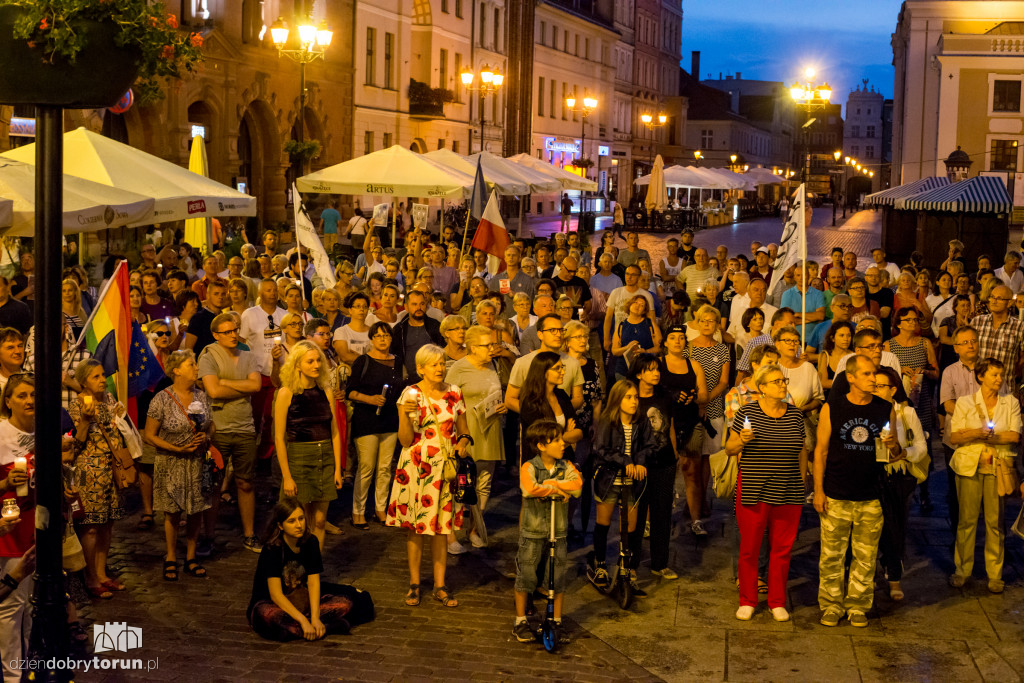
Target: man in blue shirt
x,y
815,308
329,218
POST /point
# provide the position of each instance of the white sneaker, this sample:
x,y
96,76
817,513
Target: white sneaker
x,y
745,612
476,541
780,614
456,548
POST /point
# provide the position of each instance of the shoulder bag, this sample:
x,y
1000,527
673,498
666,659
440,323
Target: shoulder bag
x,y
724,472
121,463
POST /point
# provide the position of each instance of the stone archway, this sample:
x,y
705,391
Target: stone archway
x,y
419,146
259,161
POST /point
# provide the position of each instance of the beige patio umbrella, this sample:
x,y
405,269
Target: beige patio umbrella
x,y
6,212
199,231
87,206
568,181
179,193
657,193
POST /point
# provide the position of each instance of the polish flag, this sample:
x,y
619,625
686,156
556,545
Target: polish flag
x,y
492,237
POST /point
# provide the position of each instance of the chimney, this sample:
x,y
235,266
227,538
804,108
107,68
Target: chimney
x,y
695,64
738,75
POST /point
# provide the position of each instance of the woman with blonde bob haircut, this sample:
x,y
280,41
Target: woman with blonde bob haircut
x,y
306,435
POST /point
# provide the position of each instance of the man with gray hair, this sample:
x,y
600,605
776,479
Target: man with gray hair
x,y
1000,335
692,278
842,307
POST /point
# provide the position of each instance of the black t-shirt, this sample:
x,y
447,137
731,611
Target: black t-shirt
x,y
658,410
885,298
851,472
16,314
369,377
576,288
199,325
278,561
687,255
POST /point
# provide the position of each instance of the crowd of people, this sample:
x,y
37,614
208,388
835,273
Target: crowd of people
x,y
589,376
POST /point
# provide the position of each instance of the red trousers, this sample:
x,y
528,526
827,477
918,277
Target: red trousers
x,y
783,522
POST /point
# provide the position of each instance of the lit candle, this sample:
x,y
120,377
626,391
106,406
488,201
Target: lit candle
x,y
991,425
10,510
21,464
746,423
886,431
277,339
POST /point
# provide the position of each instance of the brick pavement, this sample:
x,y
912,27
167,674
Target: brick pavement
x,y
684,631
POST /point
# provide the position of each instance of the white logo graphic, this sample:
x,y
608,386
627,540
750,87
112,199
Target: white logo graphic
x,y
860,434
114,636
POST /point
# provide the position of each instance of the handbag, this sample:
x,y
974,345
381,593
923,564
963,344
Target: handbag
x,y
130,435
122,465
71,551
604,479
724,472
1006,477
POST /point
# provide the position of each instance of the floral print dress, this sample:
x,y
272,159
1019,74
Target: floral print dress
x,y
420,498
101,501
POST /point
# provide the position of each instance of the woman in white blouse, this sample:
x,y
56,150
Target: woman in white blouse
x,y
804,382
986,428
902,475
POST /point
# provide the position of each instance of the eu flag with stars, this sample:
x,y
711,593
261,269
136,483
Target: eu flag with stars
x,y
143,369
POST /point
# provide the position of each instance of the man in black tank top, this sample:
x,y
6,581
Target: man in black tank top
x,y
846,496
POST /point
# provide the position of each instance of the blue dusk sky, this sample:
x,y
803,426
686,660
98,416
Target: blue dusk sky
x,y
776,40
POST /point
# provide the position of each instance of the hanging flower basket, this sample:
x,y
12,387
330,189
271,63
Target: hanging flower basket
x,y
86,53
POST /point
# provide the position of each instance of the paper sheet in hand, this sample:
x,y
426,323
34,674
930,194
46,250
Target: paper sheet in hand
x,y
419,216
489,406
380,214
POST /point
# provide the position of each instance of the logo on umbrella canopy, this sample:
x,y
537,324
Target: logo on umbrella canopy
x,y
379,189
196,206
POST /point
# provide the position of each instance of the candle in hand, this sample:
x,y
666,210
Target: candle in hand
x,y
21,464
746,423
991,425
886,431
10,510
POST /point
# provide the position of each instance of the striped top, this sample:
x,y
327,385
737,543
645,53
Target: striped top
x,y
770,463
712,359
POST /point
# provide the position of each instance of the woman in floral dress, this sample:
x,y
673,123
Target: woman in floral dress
x,y
431,426
93,413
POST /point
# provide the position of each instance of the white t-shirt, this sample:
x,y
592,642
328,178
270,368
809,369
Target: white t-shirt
x,y
804,383
1014,282
258,334
358,342
619,299
14,443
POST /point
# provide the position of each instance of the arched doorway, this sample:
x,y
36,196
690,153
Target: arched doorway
x,y
419,146
260,162
855,187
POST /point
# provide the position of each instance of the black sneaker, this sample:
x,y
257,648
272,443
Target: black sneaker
x,y
252,543
204,546
597,574
523,632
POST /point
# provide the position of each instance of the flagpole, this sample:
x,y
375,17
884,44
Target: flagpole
x,y
465,233
803,262
394,221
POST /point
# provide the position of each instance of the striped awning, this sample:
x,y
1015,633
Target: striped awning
x,y
890,196
981,194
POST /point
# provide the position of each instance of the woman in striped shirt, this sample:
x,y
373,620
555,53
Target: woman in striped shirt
x,y
768,436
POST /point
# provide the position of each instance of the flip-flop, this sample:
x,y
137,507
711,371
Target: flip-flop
x,y
113,585
99,592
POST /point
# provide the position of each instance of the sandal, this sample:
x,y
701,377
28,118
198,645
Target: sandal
x,y
194,568
445,597
227,498
99,592
113,585
146,523
362,526
762,587
170,570
412,598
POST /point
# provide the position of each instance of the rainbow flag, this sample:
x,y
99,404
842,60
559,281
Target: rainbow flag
x,y
107,333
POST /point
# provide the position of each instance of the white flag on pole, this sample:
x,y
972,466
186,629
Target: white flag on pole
x,y
306,236
793,245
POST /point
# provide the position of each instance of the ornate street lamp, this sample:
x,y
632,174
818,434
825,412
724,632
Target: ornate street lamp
x,y
809,97
649,121
490,82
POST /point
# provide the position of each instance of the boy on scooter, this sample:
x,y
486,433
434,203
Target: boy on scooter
x,y
546,475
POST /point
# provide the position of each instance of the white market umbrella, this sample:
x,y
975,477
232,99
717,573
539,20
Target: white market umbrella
x,y
683,176
728,179
394,172
762,176
537,182
88,206
497,179
657,193
568,181
179,193
6,212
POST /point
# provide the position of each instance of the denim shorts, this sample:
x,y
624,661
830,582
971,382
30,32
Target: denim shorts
x,y
531,550
615,492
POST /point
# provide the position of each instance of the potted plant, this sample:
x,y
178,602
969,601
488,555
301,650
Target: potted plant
x,y
583,163
87,53
427,101
304,151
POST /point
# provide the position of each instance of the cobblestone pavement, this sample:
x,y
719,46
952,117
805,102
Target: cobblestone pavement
x,y
684,631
